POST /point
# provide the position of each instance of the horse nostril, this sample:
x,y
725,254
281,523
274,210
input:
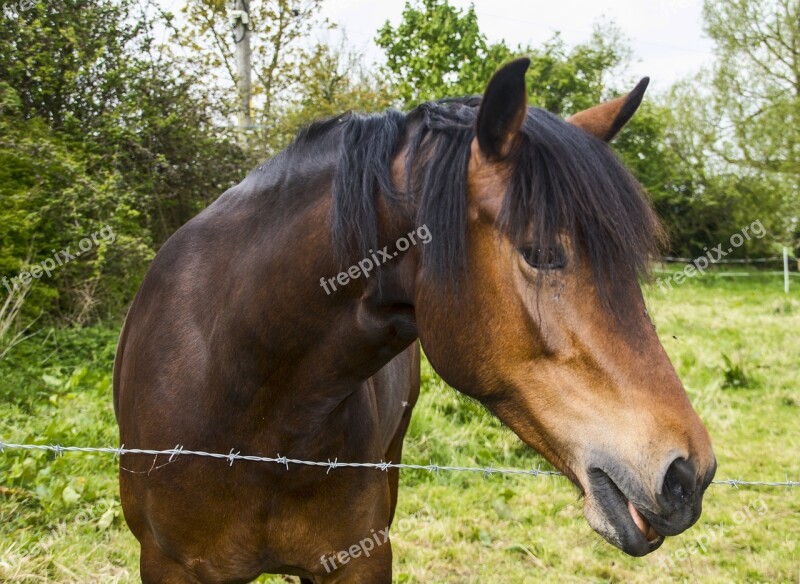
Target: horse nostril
x,y
680,481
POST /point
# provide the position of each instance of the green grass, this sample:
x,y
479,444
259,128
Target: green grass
x,y
735,343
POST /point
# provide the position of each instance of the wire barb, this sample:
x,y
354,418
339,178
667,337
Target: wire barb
x,y
175,452
283,460
332,465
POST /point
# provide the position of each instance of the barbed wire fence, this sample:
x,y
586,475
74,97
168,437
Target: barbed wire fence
x,y
679,260
695,263
783,260
233,456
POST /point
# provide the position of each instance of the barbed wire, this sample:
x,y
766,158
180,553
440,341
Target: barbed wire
x,y
233,456
670,259
715,274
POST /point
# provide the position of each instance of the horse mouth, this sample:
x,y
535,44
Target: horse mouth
x,y
614,516
647,530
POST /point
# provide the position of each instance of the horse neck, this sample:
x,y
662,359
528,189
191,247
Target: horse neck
x,y
344,334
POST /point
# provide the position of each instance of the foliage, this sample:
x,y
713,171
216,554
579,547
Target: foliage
x,y
333,80
756,101
700,205
278,29
49,200
565,81
734,373
100,127
722,193
438,51
757,81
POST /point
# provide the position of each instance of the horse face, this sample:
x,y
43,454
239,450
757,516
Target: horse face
x,y
528,334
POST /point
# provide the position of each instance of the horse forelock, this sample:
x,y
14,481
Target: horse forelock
x,y
564,183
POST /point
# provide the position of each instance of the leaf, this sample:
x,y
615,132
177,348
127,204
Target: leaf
x,y
70,495
51,380
106,519
485,538
502,509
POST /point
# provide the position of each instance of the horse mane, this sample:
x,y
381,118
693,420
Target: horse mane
x,y
564,183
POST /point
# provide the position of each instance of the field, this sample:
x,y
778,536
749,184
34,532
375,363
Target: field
x,y
735,343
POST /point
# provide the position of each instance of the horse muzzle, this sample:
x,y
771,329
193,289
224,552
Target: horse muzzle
x,y
621,509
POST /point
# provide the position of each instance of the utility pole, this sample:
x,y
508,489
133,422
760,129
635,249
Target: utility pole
x,y
241,36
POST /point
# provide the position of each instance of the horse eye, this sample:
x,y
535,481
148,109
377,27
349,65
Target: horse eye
x,y
550,258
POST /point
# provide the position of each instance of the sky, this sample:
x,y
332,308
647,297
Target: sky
x,y
666,35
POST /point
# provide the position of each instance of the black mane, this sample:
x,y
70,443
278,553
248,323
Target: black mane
x,y
564,183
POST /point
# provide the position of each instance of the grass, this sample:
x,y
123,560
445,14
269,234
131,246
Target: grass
x,y
735,343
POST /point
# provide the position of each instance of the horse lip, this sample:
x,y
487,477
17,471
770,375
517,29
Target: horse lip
x,y
643,524
615,507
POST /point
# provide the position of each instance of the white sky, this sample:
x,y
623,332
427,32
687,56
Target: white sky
x,y
666,35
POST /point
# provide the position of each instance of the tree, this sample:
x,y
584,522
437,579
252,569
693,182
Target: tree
x,y
756,97
564,81
279,27
757,78
438,51
701,198
100,127
333,80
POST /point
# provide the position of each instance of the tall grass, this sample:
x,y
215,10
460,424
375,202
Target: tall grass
x,y
10,332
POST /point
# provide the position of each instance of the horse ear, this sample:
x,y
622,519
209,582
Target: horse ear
x,y
503,110
606,119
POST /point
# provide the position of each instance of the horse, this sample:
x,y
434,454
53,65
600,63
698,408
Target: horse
x,y
287,317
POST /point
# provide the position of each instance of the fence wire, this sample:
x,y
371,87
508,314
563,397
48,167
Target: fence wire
x,y
232,457
671,259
